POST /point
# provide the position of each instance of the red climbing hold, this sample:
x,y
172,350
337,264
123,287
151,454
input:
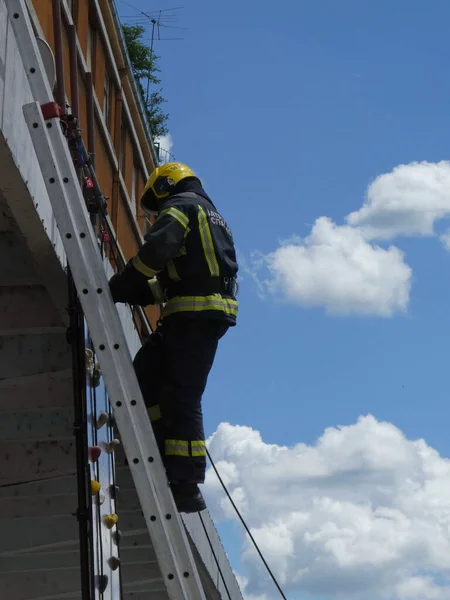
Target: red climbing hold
x,y
94,453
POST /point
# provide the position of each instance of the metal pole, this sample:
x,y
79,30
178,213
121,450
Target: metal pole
x,y
151,57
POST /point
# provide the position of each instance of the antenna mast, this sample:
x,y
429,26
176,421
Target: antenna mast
x,y
155,22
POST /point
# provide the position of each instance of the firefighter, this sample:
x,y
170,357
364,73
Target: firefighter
x,y
188,264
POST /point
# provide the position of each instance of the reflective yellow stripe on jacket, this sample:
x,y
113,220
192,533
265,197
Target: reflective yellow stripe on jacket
x,y
200,304
176,214
142,268
207,243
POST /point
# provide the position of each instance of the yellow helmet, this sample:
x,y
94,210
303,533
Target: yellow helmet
x,y
161,182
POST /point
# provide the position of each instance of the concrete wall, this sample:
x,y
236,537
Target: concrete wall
x,y
14,93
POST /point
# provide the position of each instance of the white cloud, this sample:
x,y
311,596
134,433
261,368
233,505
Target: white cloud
x,y
165,144
421,588
406,201
340,269
243,583
362,514
336,268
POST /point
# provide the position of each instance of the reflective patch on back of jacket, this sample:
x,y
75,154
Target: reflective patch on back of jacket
x,y
217,219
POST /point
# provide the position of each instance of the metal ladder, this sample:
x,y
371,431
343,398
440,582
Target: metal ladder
x,y
164,524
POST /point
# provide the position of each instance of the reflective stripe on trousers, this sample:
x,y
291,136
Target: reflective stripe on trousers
x,y
185,448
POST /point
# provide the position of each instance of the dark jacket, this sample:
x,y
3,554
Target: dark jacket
x,y
188,261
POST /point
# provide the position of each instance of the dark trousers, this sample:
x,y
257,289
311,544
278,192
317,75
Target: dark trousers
x,y
172,368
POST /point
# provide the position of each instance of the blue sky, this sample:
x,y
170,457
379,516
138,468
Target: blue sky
x,y
288,111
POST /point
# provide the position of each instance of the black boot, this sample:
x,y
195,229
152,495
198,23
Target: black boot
x,y
188,497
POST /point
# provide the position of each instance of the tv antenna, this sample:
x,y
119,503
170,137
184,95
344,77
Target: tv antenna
x,y
163,18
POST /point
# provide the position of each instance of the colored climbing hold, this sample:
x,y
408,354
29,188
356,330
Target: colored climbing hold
x,y
114,563
110,520
94,453
103,418
89,357
92,369
102,583
101,498
95,487
96,376
111,446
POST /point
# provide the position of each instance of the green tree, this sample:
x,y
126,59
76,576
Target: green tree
x,y
145,67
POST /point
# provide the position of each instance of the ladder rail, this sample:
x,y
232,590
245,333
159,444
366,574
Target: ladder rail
x,y
164,524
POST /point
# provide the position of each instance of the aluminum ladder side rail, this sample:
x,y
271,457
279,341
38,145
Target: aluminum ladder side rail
x,y
164,524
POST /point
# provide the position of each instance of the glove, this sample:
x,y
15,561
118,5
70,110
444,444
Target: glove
x,y
130,287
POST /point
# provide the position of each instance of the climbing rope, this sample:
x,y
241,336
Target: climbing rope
x,y
245,526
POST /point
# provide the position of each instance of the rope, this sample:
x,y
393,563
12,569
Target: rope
x,y
246,527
